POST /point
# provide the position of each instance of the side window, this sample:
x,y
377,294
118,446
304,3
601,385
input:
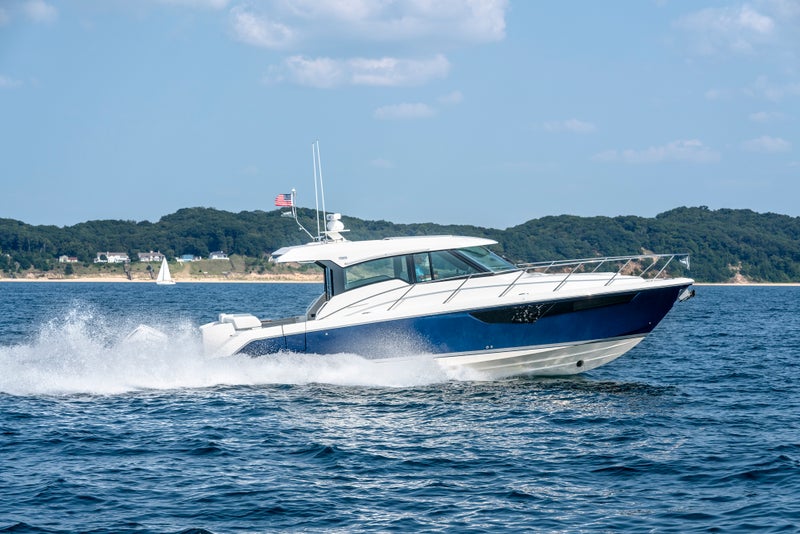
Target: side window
x,y
422,267
447,265
371,272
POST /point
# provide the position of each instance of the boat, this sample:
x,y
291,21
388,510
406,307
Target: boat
x,y
164,278
453,299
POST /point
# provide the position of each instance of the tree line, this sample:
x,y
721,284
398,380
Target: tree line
x,y
761,247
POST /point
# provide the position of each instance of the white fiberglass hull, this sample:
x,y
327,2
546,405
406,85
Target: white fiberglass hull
x,y
542,361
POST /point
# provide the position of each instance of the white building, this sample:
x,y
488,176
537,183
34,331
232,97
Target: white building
x,y
112,257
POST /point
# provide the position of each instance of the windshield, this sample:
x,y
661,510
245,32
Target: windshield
x,y
488,259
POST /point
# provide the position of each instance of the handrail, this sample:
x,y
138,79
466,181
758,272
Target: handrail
x,y
572,266
578,264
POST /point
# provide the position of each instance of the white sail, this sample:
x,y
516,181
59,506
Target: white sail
x,y
164,277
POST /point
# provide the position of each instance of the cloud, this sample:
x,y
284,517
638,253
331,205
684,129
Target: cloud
x,y
735,29
326,72
395,20
40,11
765,116
9,83
691,150
404,111
766,143
774,92
570,125
257,30
783,9
207,4
307,27
452,99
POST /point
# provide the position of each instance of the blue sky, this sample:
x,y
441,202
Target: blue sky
x,y
487,112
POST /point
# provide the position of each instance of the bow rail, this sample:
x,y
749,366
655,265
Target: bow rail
x,y
648,266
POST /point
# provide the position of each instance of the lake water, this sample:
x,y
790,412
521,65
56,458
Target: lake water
x,y
696,429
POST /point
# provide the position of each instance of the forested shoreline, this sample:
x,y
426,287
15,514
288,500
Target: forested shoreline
x,y
725,245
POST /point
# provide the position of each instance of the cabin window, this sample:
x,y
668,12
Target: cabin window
x,y
448,265
371,272
488,259
440,265
422,267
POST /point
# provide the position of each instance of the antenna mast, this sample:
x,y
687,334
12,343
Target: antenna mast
x,y
316,194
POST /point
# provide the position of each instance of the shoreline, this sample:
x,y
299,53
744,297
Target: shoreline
x,y
300,280
209,280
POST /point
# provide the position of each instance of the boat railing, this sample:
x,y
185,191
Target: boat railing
x,y
647,266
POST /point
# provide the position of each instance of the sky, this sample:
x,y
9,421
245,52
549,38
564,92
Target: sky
x,y
484,112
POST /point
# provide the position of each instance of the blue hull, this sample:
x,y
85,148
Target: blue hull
x,y
555,322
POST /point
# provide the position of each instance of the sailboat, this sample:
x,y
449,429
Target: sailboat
x,y
164,278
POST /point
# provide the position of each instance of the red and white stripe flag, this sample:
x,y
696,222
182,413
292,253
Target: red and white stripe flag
x,y
284,200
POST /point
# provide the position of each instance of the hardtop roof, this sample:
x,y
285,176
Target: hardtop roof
x,y
344,253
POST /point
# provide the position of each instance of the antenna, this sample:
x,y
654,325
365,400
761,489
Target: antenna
x,y
316,195
321,187
334,225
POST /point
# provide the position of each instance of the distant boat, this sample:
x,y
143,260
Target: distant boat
x,y
164,278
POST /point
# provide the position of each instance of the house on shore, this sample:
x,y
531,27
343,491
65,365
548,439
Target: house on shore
x,y
218,255
67,259
150,256
112,257
188,257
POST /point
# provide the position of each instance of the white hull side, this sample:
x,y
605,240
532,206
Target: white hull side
x,y
543,361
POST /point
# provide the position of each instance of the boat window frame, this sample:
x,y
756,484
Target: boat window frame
x,y
412,268
399,271
490,268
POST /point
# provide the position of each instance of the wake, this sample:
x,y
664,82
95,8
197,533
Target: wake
x,y
88,353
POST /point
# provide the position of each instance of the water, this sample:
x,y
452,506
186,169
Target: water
x,y
696,429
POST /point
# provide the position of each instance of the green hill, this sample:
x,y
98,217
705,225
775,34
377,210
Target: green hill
x,y
761,247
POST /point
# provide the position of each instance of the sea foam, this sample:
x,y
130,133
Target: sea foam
x,y
86,352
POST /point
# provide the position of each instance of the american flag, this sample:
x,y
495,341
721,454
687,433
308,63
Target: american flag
x,y
284,200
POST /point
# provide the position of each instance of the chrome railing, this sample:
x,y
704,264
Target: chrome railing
x,y
643,265
648,266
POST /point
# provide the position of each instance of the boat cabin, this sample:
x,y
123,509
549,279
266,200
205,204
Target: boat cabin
x,y
349,265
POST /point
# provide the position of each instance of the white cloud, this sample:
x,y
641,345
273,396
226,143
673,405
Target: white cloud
x,y
258,30
9,83
452,99
715,94
774,92
207,4
691,150
383,72
40,11
404,111
765,116
570,125
306,27
398,20
734,29
783,9
766,143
